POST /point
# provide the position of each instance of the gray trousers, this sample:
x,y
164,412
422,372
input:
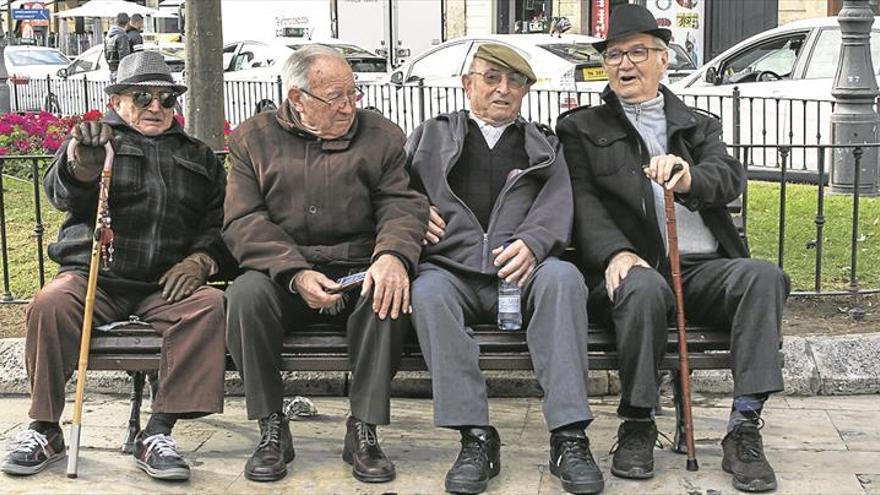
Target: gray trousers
x,y
745,295
555,313
259,311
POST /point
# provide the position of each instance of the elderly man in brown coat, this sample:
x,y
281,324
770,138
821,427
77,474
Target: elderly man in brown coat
x,y
318,191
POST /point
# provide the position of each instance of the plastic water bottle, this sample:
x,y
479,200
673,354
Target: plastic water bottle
x,y
509,305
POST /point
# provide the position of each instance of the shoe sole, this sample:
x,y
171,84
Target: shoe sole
x,y
633,474
174,474
748,486
366,478
472,487
585,487
19,470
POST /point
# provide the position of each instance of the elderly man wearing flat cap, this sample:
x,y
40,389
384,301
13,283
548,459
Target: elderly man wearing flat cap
x,y
621,156
501,211
166,200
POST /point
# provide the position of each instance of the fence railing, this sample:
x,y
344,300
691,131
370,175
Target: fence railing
x,y
30,227
752,120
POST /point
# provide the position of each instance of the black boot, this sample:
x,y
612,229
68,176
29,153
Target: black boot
x,y
275,450
478,461
634,452
362,451
744,459
572,462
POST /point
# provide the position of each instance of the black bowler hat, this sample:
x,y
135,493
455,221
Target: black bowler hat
x,y
630,19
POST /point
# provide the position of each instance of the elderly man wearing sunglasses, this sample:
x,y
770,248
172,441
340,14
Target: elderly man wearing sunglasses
x,y
166,201
501,209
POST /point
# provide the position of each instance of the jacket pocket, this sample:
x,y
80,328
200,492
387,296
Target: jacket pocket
x,y
609,152
127,170
191,183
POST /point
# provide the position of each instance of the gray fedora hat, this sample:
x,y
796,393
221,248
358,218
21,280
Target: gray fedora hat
x,y
147,69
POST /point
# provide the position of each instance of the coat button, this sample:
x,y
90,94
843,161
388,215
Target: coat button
x,y
603,140
313,209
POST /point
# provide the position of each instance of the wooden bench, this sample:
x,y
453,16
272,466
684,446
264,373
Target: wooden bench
x,y
324,348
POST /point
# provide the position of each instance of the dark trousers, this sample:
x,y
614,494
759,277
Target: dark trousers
x,y
193,356
259,312
745,295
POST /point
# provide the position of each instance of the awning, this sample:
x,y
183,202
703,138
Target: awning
x,y
109,8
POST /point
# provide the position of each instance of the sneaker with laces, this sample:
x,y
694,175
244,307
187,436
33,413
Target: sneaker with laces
x,y
157,456
34,452
744,459
572,462
273,453
634,450
479,460
368,463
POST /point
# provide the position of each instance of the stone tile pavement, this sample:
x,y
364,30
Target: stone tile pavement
x,y
818,445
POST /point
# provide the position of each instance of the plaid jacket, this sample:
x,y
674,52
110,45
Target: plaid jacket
x,y
166,202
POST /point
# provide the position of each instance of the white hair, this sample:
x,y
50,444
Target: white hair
x,y
295,73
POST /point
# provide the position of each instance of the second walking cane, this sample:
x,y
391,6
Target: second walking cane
x,y
684,368
102,253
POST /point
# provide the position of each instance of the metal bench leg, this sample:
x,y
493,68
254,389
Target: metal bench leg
x,y
153,376
679,443
134,420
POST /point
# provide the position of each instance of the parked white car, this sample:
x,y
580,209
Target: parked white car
x,y
92,65
25,62
785,77
261,61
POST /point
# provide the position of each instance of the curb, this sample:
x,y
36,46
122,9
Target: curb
x,y
841,365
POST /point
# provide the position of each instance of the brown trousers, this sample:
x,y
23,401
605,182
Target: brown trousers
x,y
193,360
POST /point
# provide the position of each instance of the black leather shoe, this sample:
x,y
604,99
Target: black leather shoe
x,y
634,452
478,461
362,451
157,456
572,462
744,459
275,450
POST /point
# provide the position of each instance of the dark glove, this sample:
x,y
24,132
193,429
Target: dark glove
x,y
185,277
88,143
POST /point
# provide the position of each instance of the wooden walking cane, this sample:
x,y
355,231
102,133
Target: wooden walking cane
x,y
102,247
684,368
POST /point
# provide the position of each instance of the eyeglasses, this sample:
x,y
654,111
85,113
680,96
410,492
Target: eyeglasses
x,y
635,55
143,99
493,78
339,101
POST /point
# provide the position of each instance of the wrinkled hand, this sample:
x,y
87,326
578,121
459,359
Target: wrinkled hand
x,y
87,148
660,171
312,286
517,260
185,277
389,281
619,268
436,227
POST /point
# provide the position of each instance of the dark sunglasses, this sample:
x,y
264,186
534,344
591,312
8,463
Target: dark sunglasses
x,y
143,99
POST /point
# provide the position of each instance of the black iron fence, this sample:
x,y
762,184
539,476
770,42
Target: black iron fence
x,y
23,218
746,120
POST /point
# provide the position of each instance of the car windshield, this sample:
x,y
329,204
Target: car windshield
x,y
576,53
679,59
347,50
37,57
823,62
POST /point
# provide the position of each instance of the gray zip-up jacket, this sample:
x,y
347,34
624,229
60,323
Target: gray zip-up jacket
x,y
535,207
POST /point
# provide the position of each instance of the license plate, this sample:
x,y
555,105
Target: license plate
x,y
594,73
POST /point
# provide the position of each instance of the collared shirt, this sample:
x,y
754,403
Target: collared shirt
x,y
491,134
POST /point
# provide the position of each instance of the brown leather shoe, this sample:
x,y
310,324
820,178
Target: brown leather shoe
x,y
362,451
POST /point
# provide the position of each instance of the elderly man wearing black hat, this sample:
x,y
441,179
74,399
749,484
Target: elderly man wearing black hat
x,y
166,200
501,214
621,156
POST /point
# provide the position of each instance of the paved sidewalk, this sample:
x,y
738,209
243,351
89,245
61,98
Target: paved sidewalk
x,y
821,445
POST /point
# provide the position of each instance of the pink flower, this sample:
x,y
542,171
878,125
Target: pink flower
x,y
92,115
5,128
3,151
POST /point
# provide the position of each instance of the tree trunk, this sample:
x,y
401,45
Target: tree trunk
x,y
204,72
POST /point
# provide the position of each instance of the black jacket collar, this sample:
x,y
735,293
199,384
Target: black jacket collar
x,y
678,115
